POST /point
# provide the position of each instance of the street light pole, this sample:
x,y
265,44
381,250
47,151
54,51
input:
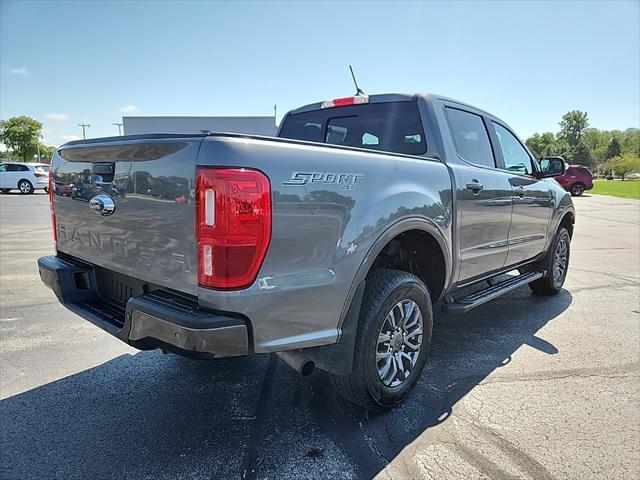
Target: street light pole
x,y
119,125
84,125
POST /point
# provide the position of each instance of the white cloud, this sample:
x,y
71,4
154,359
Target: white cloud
x,y
129,109
19,71
68,138
57,116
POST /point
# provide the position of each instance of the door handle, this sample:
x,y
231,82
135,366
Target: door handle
x,y
475,186
520,191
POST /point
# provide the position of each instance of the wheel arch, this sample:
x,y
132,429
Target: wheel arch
x,y
568,221
24,180
577,182
338,357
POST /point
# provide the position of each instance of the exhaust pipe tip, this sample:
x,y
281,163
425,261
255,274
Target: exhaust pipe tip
x,y
307,368
298,361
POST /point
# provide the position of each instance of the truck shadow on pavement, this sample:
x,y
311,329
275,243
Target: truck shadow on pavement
x,y
158,416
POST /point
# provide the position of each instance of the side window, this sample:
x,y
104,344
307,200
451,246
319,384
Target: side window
x,y
12,167
3,167
470,137
24,168
516,158
370,139
336,134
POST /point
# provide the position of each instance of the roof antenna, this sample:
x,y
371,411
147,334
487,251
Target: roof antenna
x,y
359,91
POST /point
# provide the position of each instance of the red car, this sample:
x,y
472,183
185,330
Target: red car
x,y
576,179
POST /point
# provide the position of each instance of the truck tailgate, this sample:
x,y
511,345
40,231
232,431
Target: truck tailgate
x,y
151,232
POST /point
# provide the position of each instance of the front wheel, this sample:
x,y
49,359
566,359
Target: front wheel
x,y
556,263
393,338
25,187
577,189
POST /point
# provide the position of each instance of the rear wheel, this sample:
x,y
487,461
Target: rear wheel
x,y
556,263
577,189
25,187
394,333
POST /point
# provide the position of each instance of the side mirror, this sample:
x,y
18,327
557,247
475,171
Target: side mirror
x,y
552,167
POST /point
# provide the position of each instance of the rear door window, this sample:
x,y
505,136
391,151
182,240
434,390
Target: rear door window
x,y
470,137
390,126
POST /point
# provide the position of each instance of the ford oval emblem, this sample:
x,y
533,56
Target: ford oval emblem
x,y
103,205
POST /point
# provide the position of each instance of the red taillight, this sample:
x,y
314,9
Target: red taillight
x,y
233,214
344,101
53,215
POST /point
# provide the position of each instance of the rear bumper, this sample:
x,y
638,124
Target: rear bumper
x,y
158,319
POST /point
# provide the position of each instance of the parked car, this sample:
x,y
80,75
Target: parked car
x,y
42,168
25,177
576,179
62,188
328,245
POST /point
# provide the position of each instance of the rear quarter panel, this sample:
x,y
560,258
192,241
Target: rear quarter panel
x,y
331,207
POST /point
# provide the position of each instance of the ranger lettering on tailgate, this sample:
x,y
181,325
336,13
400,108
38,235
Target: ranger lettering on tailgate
x,y
121,247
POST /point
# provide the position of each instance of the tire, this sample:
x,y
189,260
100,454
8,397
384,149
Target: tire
x,y
551,283
25,187
389,296
46,189
5,190
577,189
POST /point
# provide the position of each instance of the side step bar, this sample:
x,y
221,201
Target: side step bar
x,y
473,300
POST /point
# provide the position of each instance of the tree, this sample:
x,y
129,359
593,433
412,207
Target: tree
x,y
572,128
46,152
582,155
614,149
630,141
21,134
542,145
623,164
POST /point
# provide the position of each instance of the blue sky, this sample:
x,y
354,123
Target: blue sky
x,y
66,63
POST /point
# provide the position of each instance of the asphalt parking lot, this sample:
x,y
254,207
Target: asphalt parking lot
x,y
525,387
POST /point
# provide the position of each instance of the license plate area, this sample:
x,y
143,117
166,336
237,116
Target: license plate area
x,y
116,288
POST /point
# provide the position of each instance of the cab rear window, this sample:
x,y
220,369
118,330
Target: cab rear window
x,y
392,127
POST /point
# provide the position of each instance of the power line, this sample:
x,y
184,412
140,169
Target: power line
x,y
84,125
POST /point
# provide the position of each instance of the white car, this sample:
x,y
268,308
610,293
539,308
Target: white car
x,y
26,177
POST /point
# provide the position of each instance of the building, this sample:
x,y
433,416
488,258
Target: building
x,y
250,125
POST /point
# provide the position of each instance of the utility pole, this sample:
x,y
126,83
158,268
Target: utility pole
x,y
84,125
39,139
119,125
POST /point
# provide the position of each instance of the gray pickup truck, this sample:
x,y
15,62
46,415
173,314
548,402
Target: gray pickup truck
x,y
327,244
